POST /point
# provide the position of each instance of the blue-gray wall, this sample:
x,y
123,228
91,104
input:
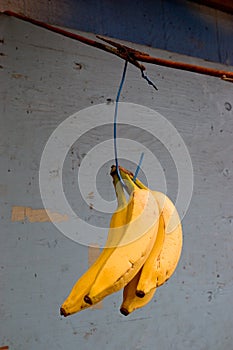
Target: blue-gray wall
x,y
45,79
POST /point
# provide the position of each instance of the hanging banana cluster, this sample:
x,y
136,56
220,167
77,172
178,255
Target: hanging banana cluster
x,y
141,253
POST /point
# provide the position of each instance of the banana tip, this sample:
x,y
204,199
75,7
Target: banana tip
x,y
140,293
124,311
63,312
88,300
113,170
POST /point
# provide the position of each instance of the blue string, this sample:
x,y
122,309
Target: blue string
x,y
138,167
115,125
115,122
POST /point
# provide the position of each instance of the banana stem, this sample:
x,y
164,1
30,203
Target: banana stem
x,y
120,194
140,184
128,176
130,185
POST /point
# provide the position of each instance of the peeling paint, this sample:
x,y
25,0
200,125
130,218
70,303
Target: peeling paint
x,y
35,215
18,76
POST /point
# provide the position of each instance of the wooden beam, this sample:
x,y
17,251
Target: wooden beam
x,y
129,54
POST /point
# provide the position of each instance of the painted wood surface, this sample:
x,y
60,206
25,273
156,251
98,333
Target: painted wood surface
x,y
44,79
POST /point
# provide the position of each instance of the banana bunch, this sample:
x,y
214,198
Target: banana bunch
x,y
141,253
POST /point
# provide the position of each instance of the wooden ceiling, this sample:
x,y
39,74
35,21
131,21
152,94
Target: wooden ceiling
x,y
226,5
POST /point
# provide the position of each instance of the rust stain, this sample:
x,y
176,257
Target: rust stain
x,y
4,347
35,215
93,254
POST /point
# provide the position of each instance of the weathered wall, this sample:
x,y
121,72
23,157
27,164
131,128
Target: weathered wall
x,y
175,25
41,85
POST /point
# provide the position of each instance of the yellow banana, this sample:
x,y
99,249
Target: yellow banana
x,y
171,251
75,301
131,301
133,249
164,265
149,269
167,261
